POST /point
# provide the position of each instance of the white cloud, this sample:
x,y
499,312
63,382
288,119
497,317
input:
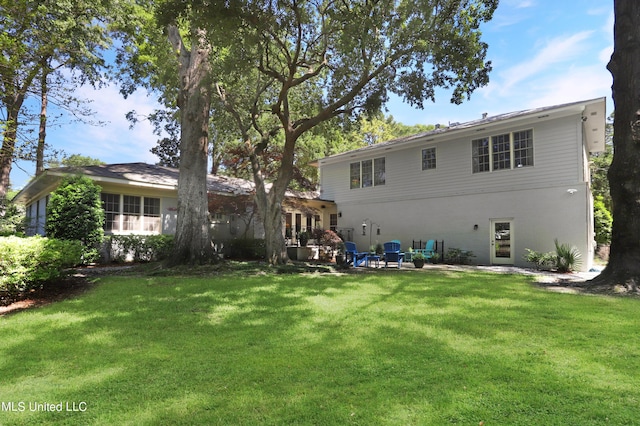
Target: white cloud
x,y
522,4
556,50
578,83
114,142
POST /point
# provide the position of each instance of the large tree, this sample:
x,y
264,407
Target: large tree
x,y
307,62
623,269
37,37
282,69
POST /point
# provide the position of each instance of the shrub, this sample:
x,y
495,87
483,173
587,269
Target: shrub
x,y
12,218
330,239
28,263
543,261
138,248
568,258
603,222
74,212
459,256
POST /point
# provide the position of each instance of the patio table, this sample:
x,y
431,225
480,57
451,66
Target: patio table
x,y
374,258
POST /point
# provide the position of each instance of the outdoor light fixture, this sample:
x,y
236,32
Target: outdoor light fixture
x,y
364,228
475,227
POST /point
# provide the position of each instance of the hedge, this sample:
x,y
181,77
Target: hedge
x,y
137,248
29,263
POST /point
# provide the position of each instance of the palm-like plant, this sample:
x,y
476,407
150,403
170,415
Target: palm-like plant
x,y
568,258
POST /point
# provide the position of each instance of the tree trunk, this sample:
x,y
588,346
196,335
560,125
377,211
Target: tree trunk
x,y
271,216
192,241
623,269
270,203
8,149
42,133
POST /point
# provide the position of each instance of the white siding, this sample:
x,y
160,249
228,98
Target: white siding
x,y
557,160
445,203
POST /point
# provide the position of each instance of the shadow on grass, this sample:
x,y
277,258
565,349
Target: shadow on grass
x,y
385,348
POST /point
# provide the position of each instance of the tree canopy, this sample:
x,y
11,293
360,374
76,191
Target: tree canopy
x,y
305,63
278,71
37,38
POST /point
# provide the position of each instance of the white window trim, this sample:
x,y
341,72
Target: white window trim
x,y
512,165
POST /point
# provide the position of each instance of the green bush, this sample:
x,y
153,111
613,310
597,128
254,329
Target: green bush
x,y
543,261
566,258
12,218
74,212
28,263
603,221
138,248
459,256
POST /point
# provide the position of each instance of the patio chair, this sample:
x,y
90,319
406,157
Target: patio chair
x,y
428,249
353,256
392,253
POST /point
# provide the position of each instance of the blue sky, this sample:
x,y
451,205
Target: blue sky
x,y
544,52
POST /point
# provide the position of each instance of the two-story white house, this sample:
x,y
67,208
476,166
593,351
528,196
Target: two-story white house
x,y
495,186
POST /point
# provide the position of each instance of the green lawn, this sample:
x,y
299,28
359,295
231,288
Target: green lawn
x,y
385,348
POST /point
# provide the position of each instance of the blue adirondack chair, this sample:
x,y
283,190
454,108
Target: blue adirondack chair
x,y
428,249
392,253
353,256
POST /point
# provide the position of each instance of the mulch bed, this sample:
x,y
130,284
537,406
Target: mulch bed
x,y
64,288
77,282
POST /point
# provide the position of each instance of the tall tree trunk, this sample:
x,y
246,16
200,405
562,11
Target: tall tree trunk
x,y
192,241
8,148
42,133
270,204
623,268
270,211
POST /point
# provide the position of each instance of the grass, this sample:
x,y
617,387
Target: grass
x,y
390,348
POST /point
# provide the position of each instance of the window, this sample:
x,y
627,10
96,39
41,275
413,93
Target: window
x,y
428,158
333,222
480,155
501,146
355,175
379,170
111,206
367,173
151,214
502,152
523,148
135,214
131,213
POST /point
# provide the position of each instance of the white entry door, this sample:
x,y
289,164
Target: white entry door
x,y
502,241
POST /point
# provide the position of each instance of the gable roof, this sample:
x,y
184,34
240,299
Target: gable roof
x,y
141,175
136,174
588,107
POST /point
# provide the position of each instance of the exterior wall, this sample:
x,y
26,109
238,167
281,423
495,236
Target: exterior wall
x,y
557,159
168,206
316,212
36,216
446,202
36,211
539,216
